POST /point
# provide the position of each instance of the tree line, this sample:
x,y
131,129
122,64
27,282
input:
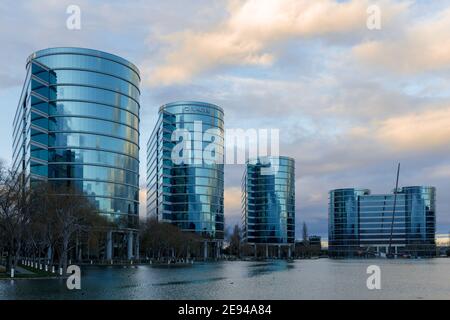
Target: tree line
x,y
164,241
44,220
47,222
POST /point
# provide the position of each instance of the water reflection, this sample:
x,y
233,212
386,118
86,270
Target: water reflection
x,y
188,281
306,279
255,270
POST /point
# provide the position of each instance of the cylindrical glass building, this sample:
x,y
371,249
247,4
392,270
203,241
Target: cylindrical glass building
x,y
268,187
82,122
420,222
343,220
185,180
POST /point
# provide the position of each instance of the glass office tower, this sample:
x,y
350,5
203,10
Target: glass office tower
x,y
268,201
343,221
185,183
364,224
77,124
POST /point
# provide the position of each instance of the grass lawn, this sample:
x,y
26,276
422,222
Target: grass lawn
x,y
36,274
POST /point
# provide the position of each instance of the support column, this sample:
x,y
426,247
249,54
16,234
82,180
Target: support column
x,y
289,251
130,245
217,250
279,252
267,251
87,248
77,246
137,247
49,253
205,250
256,251
109,245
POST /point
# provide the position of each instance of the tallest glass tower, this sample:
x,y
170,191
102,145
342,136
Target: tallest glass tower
x,y
77,123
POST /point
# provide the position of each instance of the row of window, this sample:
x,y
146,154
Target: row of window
x,y
90,94
93,157
89,78
194,207
185,198
93,173
82,124
86,62
198,216
267,223
193,190
180,120
85,140
103,189
196,226
87,109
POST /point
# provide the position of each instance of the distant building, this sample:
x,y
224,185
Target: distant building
x,y
310,248
443,244
315,241
364,224
268,203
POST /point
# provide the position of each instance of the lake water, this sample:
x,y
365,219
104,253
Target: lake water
x,y
301,279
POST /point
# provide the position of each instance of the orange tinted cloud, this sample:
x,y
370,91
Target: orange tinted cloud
x,y
233,200
425,46
417,131
253,26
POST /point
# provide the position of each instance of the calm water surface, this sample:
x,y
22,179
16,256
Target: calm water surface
x,y
302,279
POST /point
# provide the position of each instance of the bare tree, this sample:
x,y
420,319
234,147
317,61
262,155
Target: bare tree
x,y
69,213
163,240
40,216
15,214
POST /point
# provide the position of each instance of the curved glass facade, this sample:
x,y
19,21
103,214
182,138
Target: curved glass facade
x,y
364,224
343,220
188,194
420,223
268,201
81,128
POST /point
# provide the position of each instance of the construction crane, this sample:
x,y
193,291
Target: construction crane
x,y
389,254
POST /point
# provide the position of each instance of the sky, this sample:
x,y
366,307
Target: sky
x,y
350,101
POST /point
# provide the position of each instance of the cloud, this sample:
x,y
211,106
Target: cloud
x,y
423,46
233,200
439,172
143,202
426,130
288,64
247,36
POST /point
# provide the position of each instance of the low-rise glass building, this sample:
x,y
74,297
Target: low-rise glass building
x,y
364,224
77,124
185,170
268,201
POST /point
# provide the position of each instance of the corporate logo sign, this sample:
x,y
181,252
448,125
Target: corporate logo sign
x,y
196,109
